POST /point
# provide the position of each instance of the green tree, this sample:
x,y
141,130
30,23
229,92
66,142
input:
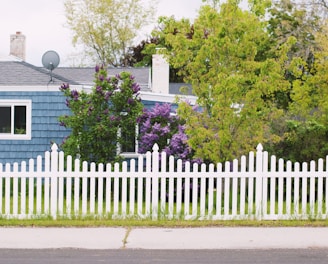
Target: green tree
x,y
222,56
306,132
103,119
107,28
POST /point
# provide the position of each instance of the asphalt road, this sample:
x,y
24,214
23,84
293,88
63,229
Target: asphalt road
x,y
122,256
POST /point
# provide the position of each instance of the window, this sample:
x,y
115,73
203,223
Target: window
x,y
15,119
129,146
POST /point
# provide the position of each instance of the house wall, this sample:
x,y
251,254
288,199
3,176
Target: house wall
x,y
47,106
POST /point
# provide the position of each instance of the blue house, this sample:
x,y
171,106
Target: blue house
x,y
30,101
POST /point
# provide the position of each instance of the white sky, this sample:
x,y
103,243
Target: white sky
x,y
42,22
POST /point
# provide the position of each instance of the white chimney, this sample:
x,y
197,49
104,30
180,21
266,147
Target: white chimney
x,y
17,45
160,74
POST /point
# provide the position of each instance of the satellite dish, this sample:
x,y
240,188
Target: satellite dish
x,y
50,60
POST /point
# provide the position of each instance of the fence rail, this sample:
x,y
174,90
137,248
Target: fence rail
x,y
254,187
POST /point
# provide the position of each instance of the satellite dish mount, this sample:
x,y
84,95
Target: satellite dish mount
x,y
50,60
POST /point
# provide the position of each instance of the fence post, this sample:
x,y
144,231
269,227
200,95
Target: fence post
x,y
155,170
54,171
259,181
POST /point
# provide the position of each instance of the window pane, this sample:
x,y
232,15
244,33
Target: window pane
x,y
20,120
5,117
128,140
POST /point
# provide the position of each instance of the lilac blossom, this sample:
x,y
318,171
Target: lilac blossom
x,y
62,123
130,101
135,88
158,125
75,95
108,95
101,78
64,86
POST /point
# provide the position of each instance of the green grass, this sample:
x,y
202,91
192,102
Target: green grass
x,y
106,222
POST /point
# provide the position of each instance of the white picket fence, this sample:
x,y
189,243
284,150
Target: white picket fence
x,y
254,187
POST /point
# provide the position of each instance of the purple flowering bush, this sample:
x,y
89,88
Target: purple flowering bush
x,y
96,118
158,125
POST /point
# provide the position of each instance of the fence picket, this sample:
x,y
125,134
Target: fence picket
x,y
84,189
242,186
100,189
296,188
7,191
259,181
108,188
69,186
15,190
265,185
234,188
124,188
23,189
273,164
195,192
312,189
203,191
219,190
46,182
140,186
116,188
226,190
179,189
187,190
148,183
281,188
320,187
171,188
92,198
250,183
210,191
288,187
132,187
76,187
38,186
61,164
154,190
304,189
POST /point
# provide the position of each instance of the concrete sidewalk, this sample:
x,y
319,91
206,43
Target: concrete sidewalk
x,y
164,238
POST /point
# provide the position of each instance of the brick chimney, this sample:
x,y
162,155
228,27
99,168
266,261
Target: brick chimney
x,y
17,45
160,74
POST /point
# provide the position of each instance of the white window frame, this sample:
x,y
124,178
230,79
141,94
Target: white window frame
x,y
12,104
136,145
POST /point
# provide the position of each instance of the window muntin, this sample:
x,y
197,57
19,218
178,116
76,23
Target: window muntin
x,y
15,119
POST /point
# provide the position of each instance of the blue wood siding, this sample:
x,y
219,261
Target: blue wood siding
x,y
46,108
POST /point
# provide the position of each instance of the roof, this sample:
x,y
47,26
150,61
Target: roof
x,y
85,75
16,73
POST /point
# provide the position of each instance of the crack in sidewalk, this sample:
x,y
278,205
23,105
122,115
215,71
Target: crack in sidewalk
x,y
125,239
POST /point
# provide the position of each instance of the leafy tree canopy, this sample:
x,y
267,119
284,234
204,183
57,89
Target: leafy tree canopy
x,y
107,28
222,55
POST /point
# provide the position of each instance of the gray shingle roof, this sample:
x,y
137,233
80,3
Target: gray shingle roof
x,y
85,75
16,73
19,73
